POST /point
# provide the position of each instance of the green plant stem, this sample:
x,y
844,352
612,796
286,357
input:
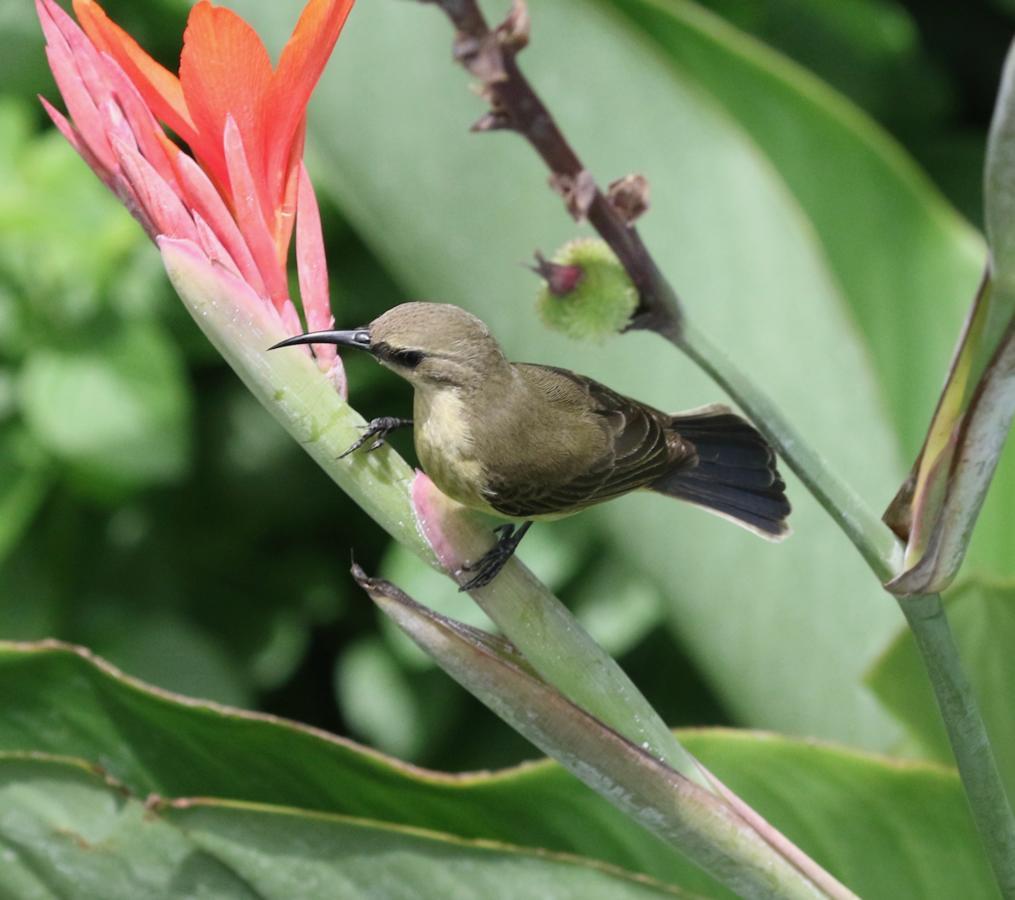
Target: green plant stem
x,y
971,746
566,656
306,404
713,828
925,615
875,541
550,639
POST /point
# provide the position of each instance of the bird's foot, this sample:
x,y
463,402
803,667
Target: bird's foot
x,y
377,429
488,566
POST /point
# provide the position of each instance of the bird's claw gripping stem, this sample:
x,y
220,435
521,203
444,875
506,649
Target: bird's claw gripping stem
x,y
488,566
378,429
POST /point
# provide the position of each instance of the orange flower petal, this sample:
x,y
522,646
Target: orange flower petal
x,y
285,213
225,71
159,87
299,68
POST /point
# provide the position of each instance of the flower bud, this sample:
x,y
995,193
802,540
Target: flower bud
x,y
587,294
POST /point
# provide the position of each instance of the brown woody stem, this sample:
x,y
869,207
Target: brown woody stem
x,y
489,55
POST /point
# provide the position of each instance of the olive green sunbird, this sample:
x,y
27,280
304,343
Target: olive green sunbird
x,y
523,441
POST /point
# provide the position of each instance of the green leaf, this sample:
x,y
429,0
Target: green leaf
x,y
740,250
22,487
868,49
999,195
115,412
66,832
885,813
280,852
59,700
982,617
939,504
889,829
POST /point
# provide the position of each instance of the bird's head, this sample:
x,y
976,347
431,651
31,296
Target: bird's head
x,y
425,343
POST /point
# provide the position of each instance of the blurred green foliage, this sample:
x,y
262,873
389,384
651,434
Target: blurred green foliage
x,y
150,509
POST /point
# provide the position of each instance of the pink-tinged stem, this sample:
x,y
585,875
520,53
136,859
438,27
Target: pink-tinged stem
x,y
546,633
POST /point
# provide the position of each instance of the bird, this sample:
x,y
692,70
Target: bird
x,y
526,442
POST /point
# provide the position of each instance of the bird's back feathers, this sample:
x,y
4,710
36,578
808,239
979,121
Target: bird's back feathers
x,y
552,442
624,445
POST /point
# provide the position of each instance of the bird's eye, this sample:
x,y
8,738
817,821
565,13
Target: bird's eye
x,y
408,358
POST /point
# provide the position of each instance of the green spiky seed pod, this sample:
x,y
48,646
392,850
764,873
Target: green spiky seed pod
x,y
587,295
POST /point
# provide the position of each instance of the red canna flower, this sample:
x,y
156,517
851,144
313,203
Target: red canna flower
x,y
235,198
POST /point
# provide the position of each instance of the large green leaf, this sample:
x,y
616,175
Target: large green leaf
x,y
66,832
57,700
887,829
982,616
868,49
453,215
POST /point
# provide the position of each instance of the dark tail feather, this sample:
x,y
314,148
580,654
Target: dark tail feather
x,y
735,475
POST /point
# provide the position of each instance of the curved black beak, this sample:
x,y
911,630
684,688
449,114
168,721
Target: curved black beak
x,y
357,337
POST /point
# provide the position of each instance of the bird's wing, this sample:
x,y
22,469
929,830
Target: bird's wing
x,y
639,448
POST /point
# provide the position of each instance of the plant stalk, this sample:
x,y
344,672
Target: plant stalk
x,y
293,390
713,828
967,733
548,635
875,541
925,615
